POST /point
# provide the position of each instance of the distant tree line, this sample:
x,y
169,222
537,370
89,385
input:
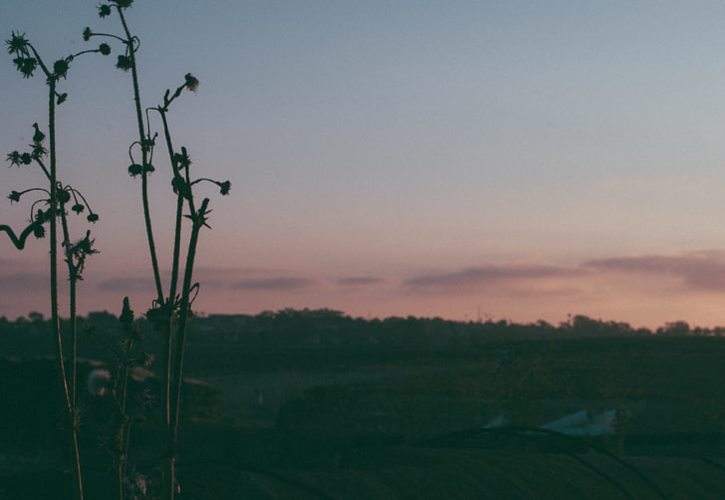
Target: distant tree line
x,y
325,326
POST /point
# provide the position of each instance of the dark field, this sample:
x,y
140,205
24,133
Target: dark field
x,y
316,405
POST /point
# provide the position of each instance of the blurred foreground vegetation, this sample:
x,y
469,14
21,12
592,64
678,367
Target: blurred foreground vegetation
x,y
318,404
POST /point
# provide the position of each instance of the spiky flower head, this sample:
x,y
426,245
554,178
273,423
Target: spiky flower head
x,y
17,44
14,196
84,247
60,68
225,187
78,208
26,65
191,82
38,151
92,217
87,34
14,158
104,49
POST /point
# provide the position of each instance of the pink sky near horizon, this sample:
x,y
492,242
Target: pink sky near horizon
x,y
510,160
643,291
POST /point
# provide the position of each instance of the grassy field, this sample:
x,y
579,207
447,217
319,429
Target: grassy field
x,y
341,416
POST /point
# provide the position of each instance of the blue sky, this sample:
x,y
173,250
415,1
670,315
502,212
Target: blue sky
x,y
400,140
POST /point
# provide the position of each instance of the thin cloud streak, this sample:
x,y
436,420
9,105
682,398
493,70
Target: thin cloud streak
x,y
24,282
209,277
695,271
352,281
274,284
701,271
483,276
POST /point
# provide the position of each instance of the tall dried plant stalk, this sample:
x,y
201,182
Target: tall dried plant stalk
x,y
170,313
55,200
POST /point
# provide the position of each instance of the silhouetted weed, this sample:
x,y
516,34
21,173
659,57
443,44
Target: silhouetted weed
x,y
171,311
51,204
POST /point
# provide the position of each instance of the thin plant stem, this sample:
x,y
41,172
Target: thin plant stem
x,y
179,208
124,367
144,156
55,316
73,281
170,325
174,273
125,423
181,345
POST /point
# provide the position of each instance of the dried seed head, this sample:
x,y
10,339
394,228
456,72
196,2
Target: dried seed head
x,y
104,10
135,169
191,82
60,68
123,63
63,196
38,136
38,151
26,65
14,158
39,230
17,44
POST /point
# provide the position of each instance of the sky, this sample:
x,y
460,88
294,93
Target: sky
x,y
516,160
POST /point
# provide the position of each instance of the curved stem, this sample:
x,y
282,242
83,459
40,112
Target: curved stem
x,y
204,179
36,203
110,36
87,51
34,189
18,241
76,192
130,150
42,66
